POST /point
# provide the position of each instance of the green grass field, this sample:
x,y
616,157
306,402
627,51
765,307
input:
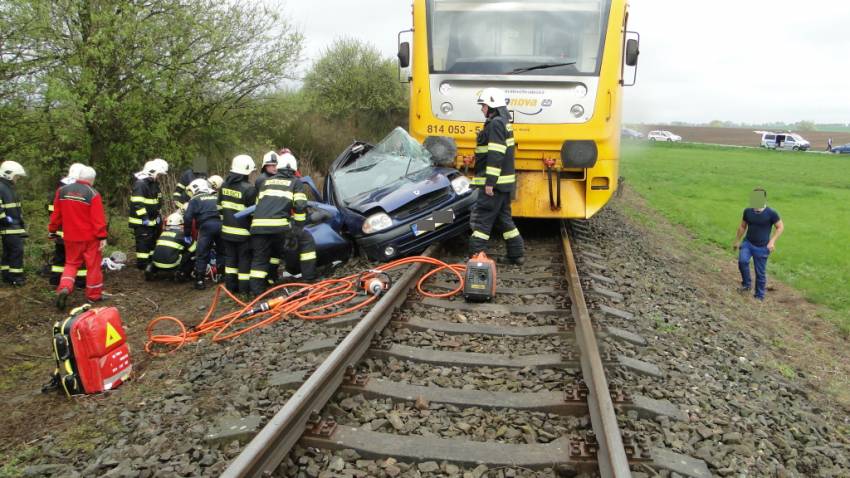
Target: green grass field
x,y
706,189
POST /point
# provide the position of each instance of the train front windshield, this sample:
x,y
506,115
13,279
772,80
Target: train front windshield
x,y
540,37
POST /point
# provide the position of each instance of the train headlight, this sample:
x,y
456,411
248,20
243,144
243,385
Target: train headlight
x,y
447,108
577,111
377,222
579,154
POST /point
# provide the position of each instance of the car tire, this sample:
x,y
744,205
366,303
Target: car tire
x,y
669,140
652,139
796,148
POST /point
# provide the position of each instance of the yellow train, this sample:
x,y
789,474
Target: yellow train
x,y
563,65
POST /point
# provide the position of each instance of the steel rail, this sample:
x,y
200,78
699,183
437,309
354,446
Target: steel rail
x,y
611,455
269,447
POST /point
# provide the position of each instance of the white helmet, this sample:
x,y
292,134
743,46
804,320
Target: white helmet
x,y
11,170
174,219
75,170
270,158
199,185
155,168
243,164
287,160
492,97
215,181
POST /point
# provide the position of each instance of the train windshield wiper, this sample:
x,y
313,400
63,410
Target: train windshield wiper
x,y
542,66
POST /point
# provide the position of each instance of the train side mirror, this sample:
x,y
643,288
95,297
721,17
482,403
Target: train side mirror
x,y
404,54
632,52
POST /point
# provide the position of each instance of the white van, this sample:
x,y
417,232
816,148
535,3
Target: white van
x,y
785,141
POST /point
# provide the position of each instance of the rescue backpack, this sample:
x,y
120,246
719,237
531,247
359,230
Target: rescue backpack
x,y
91,352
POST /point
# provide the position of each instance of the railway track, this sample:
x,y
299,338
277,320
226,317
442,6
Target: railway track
x,y
518,384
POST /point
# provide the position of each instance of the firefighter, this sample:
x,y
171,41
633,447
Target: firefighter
x,y
215,182
236,194
12,227
171,253
279,215
57,263
181,194
495,178
269,169
145,206
203,210
78,211
300,238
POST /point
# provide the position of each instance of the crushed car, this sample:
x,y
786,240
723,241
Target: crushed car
x,y
388,200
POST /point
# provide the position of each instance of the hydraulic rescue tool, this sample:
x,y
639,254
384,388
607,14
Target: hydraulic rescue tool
x,y
480,284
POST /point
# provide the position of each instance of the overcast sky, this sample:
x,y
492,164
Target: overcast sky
x,y
736,60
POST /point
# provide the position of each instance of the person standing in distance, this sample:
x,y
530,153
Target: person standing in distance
x,y
757,222
495,179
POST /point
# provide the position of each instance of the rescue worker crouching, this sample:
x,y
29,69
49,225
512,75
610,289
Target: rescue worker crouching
x,y
203,210
12,227
57,262
171,254
279,219
236,194
145,205
495,179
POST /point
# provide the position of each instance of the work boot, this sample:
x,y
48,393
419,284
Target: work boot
x,y
149,273
20,282
62,299
743,290
517,261
199,285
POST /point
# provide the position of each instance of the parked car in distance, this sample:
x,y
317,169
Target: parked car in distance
x,y
628,133
663,135
784,141
843,149
393,200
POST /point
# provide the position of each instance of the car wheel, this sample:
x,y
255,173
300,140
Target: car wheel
x,y
796,148
669,140
652,139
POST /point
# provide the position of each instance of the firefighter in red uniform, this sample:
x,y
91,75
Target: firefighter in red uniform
x,y
57,262
78,211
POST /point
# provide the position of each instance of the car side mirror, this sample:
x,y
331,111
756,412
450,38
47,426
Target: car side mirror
x,y
404,54
632,52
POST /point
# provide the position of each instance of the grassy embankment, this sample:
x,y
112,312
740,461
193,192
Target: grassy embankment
x,y
705,189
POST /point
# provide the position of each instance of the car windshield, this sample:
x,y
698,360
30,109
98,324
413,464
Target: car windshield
x,y
493,37
394,161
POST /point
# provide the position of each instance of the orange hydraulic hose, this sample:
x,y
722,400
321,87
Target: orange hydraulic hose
x,y
300,300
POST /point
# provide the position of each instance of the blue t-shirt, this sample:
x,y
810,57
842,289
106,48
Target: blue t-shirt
x,y
759,225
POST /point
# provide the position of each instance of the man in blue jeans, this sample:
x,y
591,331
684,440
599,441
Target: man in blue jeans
x,y
757,222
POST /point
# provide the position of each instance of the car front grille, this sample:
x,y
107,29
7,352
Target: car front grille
x,y
421,204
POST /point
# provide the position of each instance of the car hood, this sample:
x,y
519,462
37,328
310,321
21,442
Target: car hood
x,y
397,194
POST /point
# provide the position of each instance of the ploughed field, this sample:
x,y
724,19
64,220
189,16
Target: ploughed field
x,y
744,136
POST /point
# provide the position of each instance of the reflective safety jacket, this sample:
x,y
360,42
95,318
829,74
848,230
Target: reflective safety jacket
x,y
181,193
202,208
11,216
261,178
145,201
170,251
235,195
280,199
78,211
494,153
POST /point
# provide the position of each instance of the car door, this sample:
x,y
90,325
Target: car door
x,y
790,143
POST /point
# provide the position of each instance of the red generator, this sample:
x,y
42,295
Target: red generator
x,y
91,351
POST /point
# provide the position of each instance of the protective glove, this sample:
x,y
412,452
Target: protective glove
x,y
187,240
146,222
9,219
158,220
52,236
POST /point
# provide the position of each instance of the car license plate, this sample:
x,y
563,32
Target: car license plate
x,y
432,223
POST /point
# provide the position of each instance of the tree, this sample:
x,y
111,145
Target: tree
x,y
121,81
352,80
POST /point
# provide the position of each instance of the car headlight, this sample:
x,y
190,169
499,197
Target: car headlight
x,y
377,222
461,185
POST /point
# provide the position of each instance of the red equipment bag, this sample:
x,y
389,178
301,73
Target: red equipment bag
x,y
91,351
